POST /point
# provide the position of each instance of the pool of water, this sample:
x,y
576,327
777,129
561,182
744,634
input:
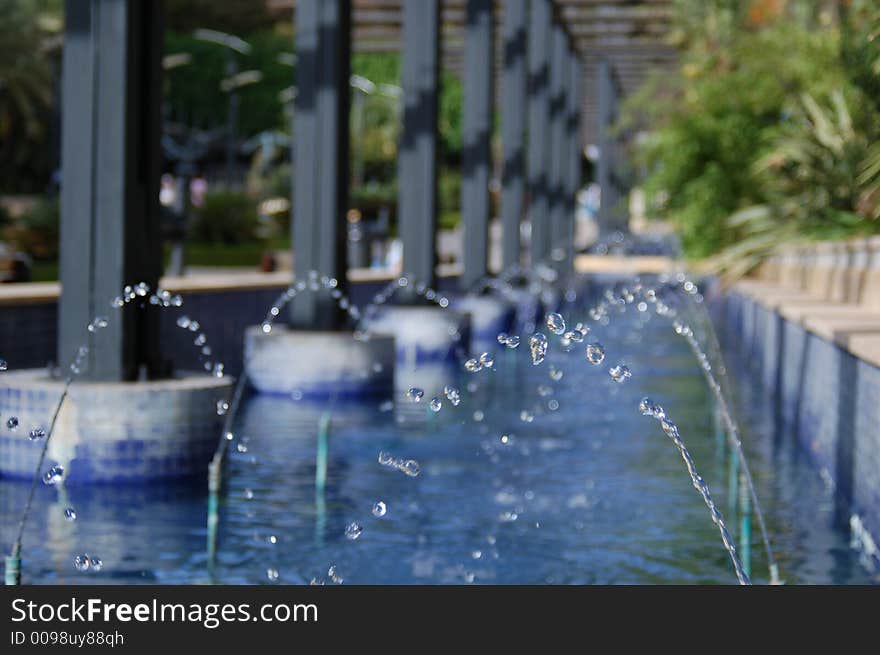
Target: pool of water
x,y
589,492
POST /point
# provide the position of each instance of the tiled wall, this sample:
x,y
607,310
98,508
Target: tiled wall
x,y
827,398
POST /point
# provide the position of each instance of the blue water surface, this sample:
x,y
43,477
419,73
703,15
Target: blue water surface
x,y
589,493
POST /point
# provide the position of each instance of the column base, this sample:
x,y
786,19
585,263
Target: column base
x,y
423,333
318,365
109,431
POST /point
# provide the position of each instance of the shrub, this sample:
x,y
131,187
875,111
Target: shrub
x,y
37,231
226,217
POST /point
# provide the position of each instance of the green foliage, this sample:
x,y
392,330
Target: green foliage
x,y
193,91
449,193
227,217
766,130
378,67
26,92
450,115
373,196
37,231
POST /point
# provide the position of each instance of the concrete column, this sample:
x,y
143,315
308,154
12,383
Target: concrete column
x,y
417,155
539,43
111,133
320,153
514,88
477,133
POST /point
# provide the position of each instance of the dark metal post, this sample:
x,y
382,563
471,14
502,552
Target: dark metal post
x,y
575,146
557,160
320,154
605,166
417,156
477,133
111,135
540,29
514,86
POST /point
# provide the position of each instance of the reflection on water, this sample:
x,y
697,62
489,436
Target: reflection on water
x,y
542,474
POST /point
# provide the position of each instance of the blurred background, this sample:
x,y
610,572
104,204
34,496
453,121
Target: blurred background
x,y
752,123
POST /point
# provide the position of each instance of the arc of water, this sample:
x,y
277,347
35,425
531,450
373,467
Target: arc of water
x,y
690,291
732,432
163,299
316,283
700,485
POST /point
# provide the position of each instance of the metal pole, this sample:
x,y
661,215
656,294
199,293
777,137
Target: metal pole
x,y
557,160
477,133
321,154
417,155
514,87
540,24
605,166
573,134
111,166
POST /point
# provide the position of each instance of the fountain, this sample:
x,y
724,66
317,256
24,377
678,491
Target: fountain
x,y
372,483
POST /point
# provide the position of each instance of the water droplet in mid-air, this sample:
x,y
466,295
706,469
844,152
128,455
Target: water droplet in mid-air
x,y
415,394
473,365
411,468
54,475
502,338
512,341
333,574
70,514
12,423
538,347
222,407
379,508
555,323
272,574
81,562
619,373
670,428
595,353
37,433
555,373
487,360
353,531
436,404
574,336
452,395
